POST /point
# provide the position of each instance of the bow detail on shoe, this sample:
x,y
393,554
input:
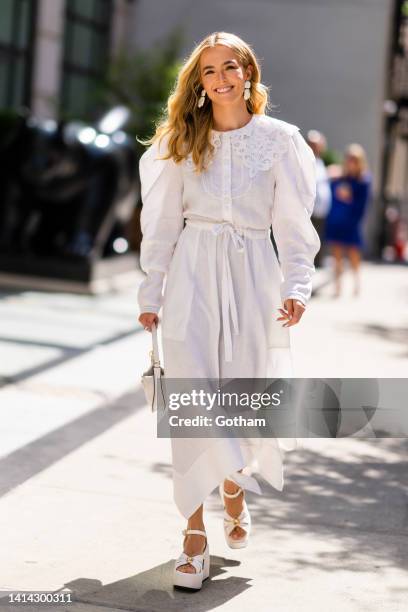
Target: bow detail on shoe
x,y
197,561
230,522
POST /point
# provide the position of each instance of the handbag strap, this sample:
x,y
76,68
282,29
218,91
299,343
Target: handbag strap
x,y
156,356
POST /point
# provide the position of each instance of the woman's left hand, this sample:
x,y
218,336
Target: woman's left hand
x,y
292,312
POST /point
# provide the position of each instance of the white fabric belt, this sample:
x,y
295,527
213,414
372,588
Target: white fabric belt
x,y
236,234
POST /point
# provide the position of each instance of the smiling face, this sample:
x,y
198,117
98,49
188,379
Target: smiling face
x,y
222,75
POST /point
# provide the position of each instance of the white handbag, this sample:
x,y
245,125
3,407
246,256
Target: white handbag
x,y
153,379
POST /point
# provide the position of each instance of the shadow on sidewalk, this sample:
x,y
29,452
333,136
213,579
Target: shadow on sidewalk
x,y
357,499
354,509
153,591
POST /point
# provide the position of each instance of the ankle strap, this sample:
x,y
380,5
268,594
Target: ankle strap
x,y
232,495
193,531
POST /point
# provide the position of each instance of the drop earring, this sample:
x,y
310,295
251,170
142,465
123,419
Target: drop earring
x,y
247,90
201,100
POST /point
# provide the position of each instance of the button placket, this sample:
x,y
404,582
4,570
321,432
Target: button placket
x,y
226,179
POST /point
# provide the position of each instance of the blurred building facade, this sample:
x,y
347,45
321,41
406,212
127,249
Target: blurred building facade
x,y
326,62
53,51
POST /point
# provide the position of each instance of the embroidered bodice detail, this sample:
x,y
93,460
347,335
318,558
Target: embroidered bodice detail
x,y
239,155
259,151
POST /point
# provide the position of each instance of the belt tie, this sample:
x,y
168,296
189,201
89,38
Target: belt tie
x,y
227,289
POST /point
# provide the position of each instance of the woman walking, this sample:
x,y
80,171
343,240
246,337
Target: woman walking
x,y
218,164
350,196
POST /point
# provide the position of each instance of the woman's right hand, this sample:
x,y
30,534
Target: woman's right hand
x,y
147,319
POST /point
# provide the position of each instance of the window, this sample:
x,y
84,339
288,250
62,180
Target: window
x,y
17,19
86,53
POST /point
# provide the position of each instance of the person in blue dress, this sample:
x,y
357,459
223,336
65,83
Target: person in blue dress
x,y
351,192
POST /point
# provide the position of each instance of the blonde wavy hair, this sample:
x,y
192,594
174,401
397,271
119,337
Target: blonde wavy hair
x,y
186,126
356,151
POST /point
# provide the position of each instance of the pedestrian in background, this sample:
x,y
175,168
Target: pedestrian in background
x,y
317,142
351,193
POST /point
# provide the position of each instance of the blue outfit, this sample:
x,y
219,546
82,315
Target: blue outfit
x,y
343,223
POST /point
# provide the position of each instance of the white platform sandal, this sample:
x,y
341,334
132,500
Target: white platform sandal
x,y
200,562
243,520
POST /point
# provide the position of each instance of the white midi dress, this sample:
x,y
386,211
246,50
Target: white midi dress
x,y
213,275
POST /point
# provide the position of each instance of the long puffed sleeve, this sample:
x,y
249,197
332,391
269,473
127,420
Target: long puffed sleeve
x,y
161,222
295,236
